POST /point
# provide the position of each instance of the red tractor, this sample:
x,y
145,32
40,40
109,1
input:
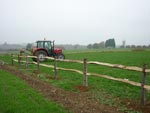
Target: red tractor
x,y
46,48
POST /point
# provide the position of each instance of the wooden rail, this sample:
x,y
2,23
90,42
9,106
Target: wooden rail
x,y
147,87
131,68
84,72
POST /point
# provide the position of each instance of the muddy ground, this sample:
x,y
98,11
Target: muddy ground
x,y
74,102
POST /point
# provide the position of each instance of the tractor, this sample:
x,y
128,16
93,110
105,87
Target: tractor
x,y
45,48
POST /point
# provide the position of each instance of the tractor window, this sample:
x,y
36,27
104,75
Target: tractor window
x,y
48,45
40,44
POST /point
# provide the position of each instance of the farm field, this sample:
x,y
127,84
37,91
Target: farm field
x,y
17,97
116,56
108,92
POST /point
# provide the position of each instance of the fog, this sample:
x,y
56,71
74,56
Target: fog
x,y
75,21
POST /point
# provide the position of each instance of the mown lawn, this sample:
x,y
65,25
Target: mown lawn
x,y
17,97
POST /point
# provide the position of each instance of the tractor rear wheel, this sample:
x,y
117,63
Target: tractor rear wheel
x,y
41,56
60,56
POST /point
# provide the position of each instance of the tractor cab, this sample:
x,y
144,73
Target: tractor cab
x,y
48,46
45,48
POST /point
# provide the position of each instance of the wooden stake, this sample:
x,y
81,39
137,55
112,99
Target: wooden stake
x,y
12,60
26,61
18,59
143,99
55,68
38,66
85,79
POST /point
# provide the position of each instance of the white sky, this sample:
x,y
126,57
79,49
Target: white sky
x,y
75,21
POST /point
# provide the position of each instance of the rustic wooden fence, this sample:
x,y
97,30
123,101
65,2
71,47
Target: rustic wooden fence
x,y
86,74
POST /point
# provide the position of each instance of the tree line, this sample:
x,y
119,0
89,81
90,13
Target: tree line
x,y
110,43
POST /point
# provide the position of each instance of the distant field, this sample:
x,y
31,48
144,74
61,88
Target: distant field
x,y
118,56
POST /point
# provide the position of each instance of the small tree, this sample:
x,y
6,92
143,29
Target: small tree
x,y
110,43
95,45
89,46
102,44
29,46
123,43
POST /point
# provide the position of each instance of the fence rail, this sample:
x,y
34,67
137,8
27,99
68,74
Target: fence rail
x,y
85,73
94,74
131,68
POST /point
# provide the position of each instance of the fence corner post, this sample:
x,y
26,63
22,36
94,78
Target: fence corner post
x,y
143,99
85,78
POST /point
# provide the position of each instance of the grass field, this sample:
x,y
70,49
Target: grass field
x,y
107,91
131,58
18,97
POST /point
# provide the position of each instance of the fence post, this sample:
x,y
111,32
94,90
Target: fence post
x,y
143,99
85,79
26,61
12,60
38,66
18,59
55,68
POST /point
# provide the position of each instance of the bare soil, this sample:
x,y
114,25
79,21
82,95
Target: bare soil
x,y
136,105
74,102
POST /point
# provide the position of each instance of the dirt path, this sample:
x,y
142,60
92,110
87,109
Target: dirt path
x,y
75,102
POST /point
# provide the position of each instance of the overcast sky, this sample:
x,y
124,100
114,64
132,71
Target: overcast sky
x,y
75,21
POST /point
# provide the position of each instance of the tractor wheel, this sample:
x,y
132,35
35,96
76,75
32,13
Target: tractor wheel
x,y
41,56
60,56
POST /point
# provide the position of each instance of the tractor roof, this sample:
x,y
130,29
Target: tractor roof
x,y
44,41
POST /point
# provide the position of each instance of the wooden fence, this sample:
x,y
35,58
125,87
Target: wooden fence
x,y
86,74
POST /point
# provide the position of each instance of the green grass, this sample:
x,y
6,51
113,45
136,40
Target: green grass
x,y
17,97
100,85
105,90
131,58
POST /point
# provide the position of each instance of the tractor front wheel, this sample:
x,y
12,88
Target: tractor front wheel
x,y
41,56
